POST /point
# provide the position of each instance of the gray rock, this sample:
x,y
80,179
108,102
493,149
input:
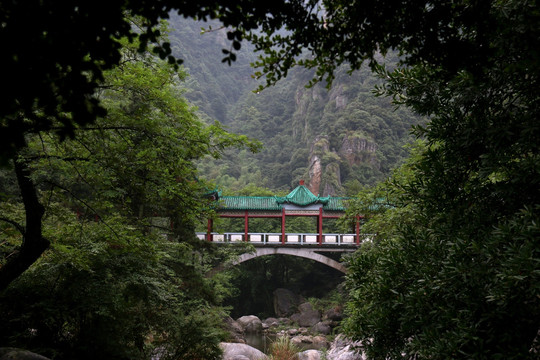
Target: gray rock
x,y
19,354
235,330
285,302
301,339
271,322
320,342
345,349
292,332
322,328
284,320
333,314
250,324
309,355
307,316
233,351
310,342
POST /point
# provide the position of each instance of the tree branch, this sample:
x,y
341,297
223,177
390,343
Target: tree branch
x,y
33,243
19,227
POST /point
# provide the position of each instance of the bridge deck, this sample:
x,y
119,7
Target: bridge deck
x,y
298,239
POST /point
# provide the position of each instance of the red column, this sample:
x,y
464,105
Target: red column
x,y
320,225
357,228
209,230
317,228
283,226
246,226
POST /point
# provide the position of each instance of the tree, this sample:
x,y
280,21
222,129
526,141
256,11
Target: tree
x,y
122,294
472,67
145,147
458,276
55,55
136,164
118,203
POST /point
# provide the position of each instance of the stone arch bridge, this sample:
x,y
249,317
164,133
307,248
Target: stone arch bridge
x,y
300,245
300,202
308,253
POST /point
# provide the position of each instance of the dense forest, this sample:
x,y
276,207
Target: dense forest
x,y
113,136
336,139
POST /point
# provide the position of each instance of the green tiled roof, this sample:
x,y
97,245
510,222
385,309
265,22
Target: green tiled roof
x,y
301,196
336,204
250,203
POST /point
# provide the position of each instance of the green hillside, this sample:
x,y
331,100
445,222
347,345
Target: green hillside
x,y
337,139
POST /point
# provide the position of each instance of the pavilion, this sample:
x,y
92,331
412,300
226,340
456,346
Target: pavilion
x,y
299,202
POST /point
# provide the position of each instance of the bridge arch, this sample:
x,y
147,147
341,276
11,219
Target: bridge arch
x,y
300,252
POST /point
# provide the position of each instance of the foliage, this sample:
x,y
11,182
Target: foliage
x,y
461,279
334,299
456,273
125,275
291,122
283,349
115,296
59,92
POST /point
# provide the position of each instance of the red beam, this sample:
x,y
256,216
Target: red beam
x,y
277,216
250,216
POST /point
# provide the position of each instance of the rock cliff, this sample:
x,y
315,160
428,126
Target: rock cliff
x,y
325,164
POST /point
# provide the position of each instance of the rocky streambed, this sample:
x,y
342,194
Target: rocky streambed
x,y
310,330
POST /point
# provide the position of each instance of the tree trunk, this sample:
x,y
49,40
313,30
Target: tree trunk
x,y
33,242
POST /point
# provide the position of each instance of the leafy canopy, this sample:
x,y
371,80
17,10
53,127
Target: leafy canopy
x,y
55,55
125,275
455,270
54,65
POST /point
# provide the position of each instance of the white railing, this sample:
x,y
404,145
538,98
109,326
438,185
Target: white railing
x,y
290,238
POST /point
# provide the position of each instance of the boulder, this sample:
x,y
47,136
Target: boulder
x,y
19,354
284,320
310,342
250,324
345,349
322,328
235,330
307,316
271,322
285,302
333,314
319,342
234,351
309,355
292,332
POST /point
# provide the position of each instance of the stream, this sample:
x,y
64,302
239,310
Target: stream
x,y
263,342
260,341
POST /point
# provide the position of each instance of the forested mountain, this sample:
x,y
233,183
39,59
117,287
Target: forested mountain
x,y
335,139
